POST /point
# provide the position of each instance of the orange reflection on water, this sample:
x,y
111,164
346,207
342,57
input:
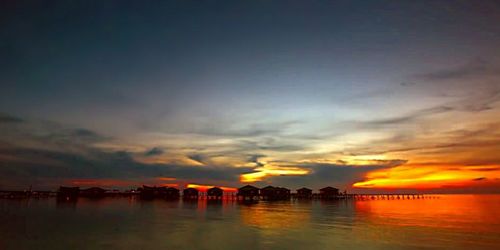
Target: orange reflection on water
x,y
273,216
459,212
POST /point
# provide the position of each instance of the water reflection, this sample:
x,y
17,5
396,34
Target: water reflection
x,y
461,222
461,212
280,215
66,204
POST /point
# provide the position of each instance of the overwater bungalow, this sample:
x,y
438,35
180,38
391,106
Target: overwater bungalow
x,y
248,192
283,193
171,193
268,193
15,194
275,193
328,193
304,193
215,193
190,193
148,193
68,193
93,192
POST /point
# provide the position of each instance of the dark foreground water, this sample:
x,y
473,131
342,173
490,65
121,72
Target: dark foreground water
x,y
450,222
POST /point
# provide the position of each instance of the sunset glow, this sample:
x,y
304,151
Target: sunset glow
x,y
432,177
264,172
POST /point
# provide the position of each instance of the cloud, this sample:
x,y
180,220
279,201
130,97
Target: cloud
x,y
325,174
411,117
154,152
407,84
65,139
479,102
200,158
255,159
473,68
98,164
50,154
4,118
269,144
219,129
80,132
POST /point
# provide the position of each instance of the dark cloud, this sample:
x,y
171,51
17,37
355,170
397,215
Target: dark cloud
x,y
484,137
84,133
475,67
255,159
216,128
68,136
407,84
479,179
475,103
480,102
62,153
97,164
409,117
200,158
154,152
269,144
4,118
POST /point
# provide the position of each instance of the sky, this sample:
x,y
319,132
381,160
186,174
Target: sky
x,y
366,96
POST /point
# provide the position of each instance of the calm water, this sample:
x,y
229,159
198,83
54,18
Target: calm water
x,y
450,222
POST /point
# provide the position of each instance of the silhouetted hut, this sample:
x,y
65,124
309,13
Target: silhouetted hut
x,y
304,193
248,192
215,193
283,193
93,192
190,193
147,192
328,193
68,193
268,193
172,193
160,192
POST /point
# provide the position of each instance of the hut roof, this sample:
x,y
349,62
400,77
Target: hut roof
x,y
329,189
147,187
214,189
304,189
247,187
268,188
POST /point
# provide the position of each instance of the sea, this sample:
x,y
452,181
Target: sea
x,y
441,222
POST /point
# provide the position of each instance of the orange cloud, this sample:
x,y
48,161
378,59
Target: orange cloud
x,y
430,177
268,171
166,178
